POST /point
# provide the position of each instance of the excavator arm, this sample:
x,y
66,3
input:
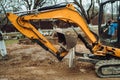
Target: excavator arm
x,y
66,13
32,33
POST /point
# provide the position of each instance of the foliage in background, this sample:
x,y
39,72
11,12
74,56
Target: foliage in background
x,y
89,10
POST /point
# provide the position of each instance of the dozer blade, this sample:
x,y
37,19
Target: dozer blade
x,y
67,38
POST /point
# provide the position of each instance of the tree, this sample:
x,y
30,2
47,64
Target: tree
x,y
89,10
8,6
33,4
11,5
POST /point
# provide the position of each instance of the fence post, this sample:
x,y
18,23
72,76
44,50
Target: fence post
x,y
72,58
3,51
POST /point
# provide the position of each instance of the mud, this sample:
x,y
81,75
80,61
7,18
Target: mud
x,y
31,62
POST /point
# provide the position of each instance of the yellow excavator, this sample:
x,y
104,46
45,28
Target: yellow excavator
x,y
106,58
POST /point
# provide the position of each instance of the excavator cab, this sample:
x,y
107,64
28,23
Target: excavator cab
x,y
109,23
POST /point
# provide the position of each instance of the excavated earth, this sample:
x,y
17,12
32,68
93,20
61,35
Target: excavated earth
x,y
31,62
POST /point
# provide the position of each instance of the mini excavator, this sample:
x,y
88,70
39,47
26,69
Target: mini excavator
x,y
105,57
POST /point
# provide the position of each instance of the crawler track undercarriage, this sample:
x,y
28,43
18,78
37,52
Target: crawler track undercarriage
x,y
104,66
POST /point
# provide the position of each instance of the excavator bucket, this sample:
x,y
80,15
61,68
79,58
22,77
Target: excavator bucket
x,y
67,38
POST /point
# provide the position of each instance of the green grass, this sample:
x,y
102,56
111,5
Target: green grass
x,y
9,42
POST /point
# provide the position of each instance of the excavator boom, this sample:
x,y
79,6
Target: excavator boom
x,y
66,13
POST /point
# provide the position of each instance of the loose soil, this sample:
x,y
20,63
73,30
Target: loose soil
x,y
31,62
